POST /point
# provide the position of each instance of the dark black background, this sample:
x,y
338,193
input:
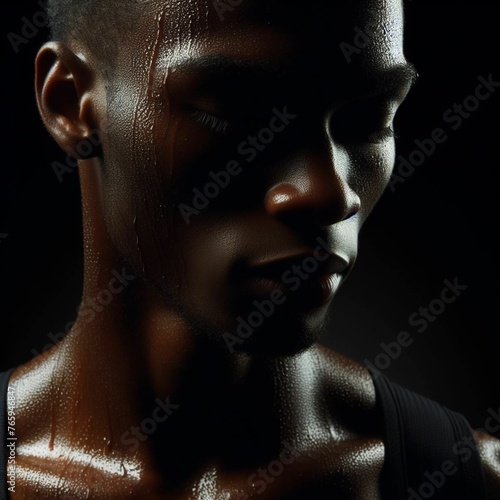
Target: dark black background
x,y
441,223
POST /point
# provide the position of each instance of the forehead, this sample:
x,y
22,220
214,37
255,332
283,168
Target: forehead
x,y
172,31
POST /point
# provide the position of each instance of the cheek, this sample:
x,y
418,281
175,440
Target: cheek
x,y
372,172
210,246
136,175
154,150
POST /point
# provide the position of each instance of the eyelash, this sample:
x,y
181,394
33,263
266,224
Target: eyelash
x,y
382,135
215,123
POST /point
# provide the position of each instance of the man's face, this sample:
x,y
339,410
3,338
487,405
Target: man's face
x,y
241,136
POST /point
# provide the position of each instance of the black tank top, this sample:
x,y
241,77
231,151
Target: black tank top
x,y
426,450
4,381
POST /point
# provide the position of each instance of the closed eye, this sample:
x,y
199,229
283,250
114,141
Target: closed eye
x,y
367,121
378,136
214,123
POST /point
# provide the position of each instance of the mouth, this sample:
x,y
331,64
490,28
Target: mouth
x,y
307,280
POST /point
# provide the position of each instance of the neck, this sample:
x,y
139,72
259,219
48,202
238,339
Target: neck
x,y
155,366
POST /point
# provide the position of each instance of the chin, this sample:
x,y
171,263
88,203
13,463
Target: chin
x,y
290,330
275,348
282,335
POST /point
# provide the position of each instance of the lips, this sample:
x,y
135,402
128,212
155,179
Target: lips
x,y
306,279
275,269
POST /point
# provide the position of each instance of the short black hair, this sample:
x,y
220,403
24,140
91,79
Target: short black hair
x,y
67,16
99,24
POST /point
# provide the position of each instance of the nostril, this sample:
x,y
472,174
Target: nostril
x,y
353,205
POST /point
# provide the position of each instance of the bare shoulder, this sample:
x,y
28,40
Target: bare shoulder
x,y
33,381
348,381
489,452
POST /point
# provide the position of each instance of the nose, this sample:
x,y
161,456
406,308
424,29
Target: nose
x,y
315,191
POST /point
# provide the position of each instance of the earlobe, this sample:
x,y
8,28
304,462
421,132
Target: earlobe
x,y
63,84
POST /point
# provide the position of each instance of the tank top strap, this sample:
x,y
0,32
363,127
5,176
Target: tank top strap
x,y
430,451
4,382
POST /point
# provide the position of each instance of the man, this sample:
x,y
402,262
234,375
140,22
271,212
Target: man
x,y
229,155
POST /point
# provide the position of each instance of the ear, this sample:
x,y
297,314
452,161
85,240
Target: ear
x,y
63,85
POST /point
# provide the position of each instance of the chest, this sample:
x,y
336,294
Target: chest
x,y
346,470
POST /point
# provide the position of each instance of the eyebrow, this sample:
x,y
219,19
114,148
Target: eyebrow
x,y
397,79
223,65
